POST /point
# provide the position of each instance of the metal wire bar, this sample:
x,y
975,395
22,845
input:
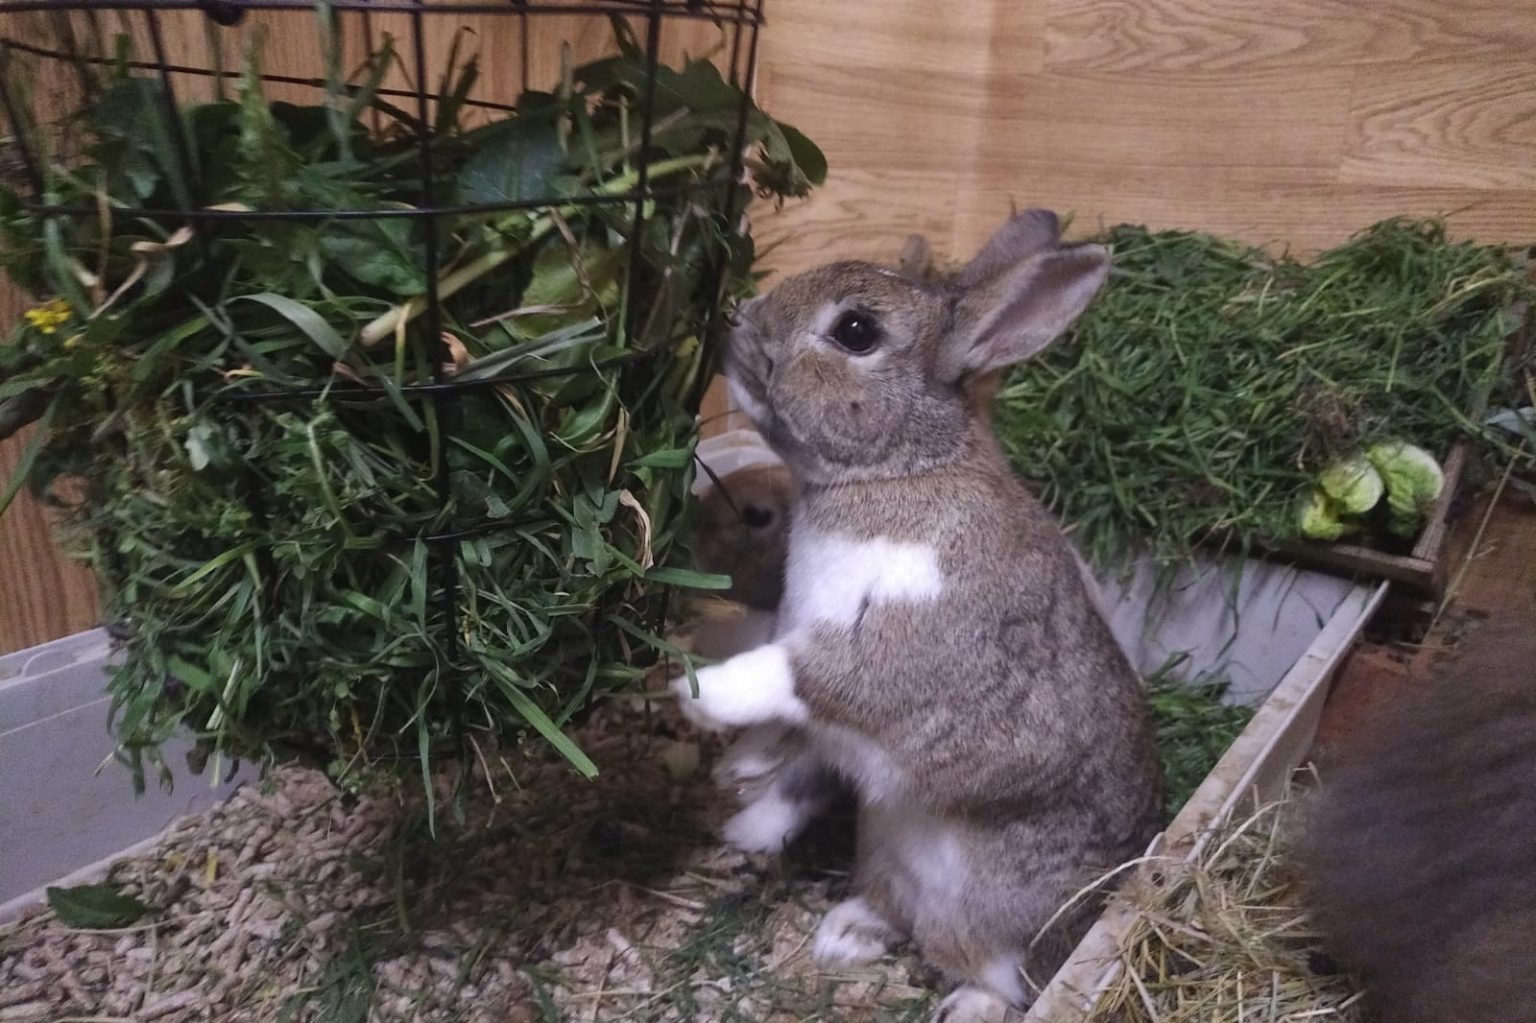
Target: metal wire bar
x,y
416,213
718,12
740,18
445,406
363,393
188,69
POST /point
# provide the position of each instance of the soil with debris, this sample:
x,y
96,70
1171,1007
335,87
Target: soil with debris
x,y
556,899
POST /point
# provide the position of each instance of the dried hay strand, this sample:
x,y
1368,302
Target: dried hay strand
x,y
1224,936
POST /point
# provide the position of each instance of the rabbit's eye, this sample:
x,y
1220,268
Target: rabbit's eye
x,y
856,331
756,516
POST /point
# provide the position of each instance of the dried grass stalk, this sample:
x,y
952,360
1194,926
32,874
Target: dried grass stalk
x,y
1224,937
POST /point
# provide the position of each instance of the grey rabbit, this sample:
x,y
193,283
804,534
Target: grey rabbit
x,y
744,522
1419,848
937,641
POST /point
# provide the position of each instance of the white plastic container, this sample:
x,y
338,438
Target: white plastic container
x,y
66,808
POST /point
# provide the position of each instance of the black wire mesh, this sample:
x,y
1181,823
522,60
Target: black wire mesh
x,y
739,21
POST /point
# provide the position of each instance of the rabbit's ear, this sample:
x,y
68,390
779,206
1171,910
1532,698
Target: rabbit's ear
x,y
1020,305
1025,234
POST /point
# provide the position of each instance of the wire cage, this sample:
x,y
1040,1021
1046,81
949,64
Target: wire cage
x,y
506,302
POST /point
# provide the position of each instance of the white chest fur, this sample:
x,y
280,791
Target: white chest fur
x,y
832,578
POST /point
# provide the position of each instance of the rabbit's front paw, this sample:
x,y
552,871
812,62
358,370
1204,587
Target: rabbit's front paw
x,y
970,1004
767,825
852,934
749,689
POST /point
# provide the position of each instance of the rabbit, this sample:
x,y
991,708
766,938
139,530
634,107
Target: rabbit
x,y
1418,850
937,641
744,532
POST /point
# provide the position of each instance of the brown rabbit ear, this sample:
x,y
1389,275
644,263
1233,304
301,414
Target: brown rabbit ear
x,y
1022,306
1023,235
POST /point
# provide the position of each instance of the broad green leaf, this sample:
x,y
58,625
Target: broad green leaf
x,y
192,675
27,460
20,408
376,252
519,161
807,155
571,292
671,458
97,907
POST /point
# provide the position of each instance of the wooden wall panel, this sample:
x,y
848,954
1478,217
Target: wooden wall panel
x,y
1289,123
1175,35
43,593
1455,124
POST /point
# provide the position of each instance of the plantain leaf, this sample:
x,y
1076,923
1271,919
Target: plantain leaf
x,y
97,907
377,252
518,161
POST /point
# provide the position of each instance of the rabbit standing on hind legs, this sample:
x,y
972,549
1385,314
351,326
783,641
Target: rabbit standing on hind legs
x,y
937,643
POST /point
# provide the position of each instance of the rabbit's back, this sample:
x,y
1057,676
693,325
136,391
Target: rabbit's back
x,y
1420,850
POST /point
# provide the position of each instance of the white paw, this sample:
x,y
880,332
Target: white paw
x,y
1003,976
971,1005
768,824
749,689
852,934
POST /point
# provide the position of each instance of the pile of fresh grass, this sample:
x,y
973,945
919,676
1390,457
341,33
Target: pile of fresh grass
x,y
1225,937
268,565
1199,397
1193,727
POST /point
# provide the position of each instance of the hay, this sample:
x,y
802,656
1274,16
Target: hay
x,y
1225,937
558,899
369,579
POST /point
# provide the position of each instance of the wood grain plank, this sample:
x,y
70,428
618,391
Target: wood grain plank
x,y
1182,35
1128,35
44,594
1269,122
916,36
860,214
1452,123
1304,217
881,117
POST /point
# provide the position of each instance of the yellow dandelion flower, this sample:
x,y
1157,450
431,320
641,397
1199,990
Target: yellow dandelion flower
x,y
48,317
